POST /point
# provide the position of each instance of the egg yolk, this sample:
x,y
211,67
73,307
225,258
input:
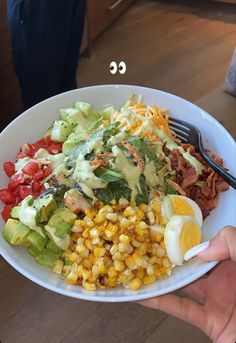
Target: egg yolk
x,y
190,236
181,207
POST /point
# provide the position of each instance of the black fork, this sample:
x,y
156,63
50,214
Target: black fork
x,y
187,133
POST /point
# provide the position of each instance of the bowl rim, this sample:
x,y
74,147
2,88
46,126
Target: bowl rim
x,y
205,267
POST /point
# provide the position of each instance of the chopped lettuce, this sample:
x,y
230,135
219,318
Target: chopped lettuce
x,y
120,189
142,147
108,175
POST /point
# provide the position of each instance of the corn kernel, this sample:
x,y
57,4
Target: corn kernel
x,y
130,262
77,229
113,217
113,249
116,256
86,233
72,277
86,274
135,284
142,225
95,241
124,239
110,282
100,217
79,222
151,217
143,208
58,266
166,262
87,263
113,202
122,247
135,243
160,252
88,244
94,233
124,222
95,271
140,273
111,272
147,280
90,212
88,222
129,211
89,286
150,269
123,202
102,268
99,251
73,257
142,250
140,215
119,266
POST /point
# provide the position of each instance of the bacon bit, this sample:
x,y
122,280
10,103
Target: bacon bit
x,y
177,187
98,162
104,154
134,152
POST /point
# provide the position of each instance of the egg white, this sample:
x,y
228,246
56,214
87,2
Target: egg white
x,y
172,238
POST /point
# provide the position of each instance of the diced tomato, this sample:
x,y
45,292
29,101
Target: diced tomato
x,y
15,181
6,212
36,195
24,191
36,186
6,196
39,175
54,148
47,171
9,168
30,168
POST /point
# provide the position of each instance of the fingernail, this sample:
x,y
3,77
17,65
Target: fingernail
x,y
195,250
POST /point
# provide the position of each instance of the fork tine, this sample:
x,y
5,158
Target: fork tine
x,y
182,138
180,122
179,130
179,127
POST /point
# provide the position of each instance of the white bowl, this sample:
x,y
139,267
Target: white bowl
x,y
30,126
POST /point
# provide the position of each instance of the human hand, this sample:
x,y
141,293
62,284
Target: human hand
x,y
211,301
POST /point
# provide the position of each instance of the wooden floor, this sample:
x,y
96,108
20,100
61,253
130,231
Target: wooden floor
x,y
184,49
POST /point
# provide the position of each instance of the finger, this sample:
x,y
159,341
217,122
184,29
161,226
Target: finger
x,y
222,246
182,308
196,290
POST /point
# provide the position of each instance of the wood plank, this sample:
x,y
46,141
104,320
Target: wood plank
x,y
174,330
117,323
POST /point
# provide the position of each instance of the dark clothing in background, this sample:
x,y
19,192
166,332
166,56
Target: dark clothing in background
x,y
46,37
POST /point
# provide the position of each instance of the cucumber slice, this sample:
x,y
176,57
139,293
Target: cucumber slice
x,y
61,130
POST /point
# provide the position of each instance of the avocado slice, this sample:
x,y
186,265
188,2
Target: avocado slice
x,y
62,243
47,258
61,130
33,251
29,214
15,212
36,240
14,232
66,215
45,205
61,226
53,247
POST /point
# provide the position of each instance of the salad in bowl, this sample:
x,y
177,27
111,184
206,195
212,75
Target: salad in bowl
x,y
109,196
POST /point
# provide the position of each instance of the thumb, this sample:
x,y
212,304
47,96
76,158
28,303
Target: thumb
x,y
222,246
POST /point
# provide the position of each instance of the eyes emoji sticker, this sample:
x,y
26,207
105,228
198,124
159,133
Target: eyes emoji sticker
x,y
121,67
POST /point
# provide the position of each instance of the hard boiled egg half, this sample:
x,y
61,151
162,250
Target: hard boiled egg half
x,y
181,234
180,205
